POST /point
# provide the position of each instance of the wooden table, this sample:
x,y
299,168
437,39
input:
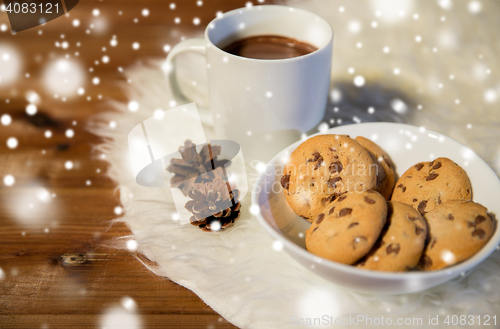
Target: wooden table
x,y
57,269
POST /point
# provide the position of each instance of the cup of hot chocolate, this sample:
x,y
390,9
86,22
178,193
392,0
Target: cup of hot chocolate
x,y
269,47
268,70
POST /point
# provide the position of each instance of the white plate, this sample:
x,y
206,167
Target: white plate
x,y
406,145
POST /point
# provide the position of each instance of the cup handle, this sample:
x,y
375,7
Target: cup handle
x,y
197,45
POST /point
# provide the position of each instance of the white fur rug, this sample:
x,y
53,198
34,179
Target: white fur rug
x,y
440,69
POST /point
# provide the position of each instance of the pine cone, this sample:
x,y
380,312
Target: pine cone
x,y
212,205
193,167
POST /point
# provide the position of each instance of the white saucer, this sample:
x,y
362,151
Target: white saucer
x,y
407,145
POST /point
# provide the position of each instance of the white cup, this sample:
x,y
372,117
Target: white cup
x,y
264,105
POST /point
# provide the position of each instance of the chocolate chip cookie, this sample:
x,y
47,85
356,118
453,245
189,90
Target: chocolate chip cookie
x,y
323,167
386,176
428,184
458,229
348,228
401,242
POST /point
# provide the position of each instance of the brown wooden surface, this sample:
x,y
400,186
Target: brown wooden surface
x,y
42,287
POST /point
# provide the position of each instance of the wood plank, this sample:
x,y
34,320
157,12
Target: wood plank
x,y
87,321
58,266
